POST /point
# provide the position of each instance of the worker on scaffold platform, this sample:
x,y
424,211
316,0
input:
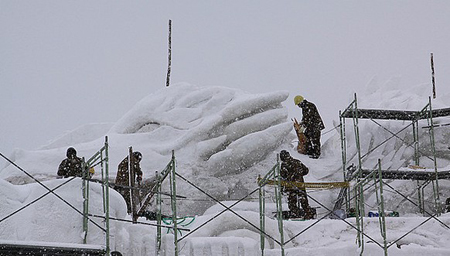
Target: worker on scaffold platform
x,y
293,170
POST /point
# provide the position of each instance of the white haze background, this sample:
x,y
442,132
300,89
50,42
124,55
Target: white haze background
x,y
64,64
181,117
69,65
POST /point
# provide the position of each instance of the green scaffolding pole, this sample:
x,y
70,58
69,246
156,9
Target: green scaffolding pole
x,y
262,203
262,210
344,161
158,215
360,190
174,203
106,195
158,189
279,204
97,158
274,173
415,125
380,204
85,191
433,147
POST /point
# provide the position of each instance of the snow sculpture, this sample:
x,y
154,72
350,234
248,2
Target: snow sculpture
x,y
217,134
227,128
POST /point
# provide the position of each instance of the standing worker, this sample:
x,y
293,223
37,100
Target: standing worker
x,y
123,181
313,125
71,166
293,170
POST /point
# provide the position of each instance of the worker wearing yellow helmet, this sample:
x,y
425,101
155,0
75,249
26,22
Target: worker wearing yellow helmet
x,y
312,124
298,99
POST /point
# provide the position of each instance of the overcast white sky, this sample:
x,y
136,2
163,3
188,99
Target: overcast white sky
x,y
64,64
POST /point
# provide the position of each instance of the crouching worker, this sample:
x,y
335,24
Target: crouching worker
x,y
123,182
293,170
71,166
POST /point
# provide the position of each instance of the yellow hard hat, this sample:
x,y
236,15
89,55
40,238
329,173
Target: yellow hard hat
x,y
298,99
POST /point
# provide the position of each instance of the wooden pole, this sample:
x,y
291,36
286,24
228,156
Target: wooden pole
x,y
432,77
170,53
131,184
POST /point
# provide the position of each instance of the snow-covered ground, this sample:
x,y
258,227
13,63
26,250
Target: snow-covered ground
x,y
223,139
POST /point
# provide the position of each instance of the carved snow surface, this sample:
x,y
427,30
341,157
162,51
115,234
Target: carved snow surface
x,y
227,128
215,132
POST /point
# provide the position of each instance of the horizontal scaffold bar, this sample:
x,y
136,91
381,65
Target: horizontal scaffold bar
x,y
47,249
310,185
393,114
409,175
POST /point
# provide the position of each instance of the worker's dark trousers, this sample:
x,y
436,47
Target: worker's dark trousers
x,y
294,198
313,142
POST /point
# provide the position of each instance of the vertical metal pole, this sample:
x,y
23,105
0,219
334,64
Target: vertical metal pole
x,y
433,148
85,191
174,204
262,210
106,186
344,159
357,217
360,215
381,212
415,125
102,167
360,190
158,214
358,145
279,204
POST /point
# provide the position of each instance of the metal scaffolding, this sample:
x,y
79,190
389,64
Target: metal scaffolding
x,y
170,171
274,178
363,177
99,158
423,179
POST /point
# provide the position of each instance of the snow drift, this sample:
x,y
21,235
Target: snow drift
x,y
215,132
223,139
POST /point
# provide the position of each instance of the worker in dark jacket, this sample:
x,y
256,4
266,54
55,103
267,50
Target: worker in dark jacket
x,y
293,170
123,182
313,124
71,166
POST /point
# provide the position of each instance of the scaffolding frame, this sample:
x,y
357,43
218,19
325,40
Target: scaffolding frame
x,y
170,171
100,157
427,113
273,178
363,177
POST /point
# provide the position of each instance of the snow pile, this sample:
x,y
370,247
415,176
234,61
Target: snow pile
x,y
85,133
55,217
223,139
217,134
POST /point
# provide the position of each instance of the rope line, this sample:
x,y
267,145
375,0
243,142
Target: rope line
x,y
310,185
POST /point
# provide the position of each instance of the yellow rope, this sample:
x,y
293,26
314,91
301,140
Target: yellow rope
x,y
310,185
